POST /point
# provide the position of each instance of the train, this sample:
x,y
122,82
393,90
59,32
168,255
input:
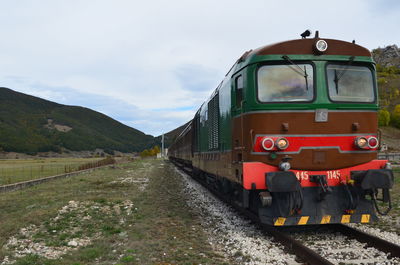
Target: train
x,y
291,135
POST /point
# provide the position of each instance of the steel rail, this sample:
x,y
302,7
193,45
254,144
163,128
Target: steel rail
x,y
306,254
300,250
371,240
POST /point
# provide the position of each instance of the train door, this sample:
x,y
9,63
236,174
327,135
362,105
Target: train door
x,y
237,101
237,110
195,134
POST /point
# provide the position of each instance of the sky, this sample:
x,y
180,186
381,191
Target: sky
x,y
150,64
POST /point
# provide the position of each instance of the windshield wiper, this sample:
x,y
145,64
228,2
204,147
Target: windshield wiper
x,y
300,71
338,77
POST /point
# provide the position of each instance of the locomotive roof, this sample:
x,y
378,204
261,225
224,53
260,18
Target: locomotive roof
x,y
306,46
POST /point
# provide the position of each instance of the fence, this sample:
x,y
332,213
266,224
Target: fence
x,y
392,157
20,173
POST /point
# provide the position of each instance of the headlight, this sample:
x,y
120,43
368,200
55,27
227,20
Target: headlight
x,y
361,142
282,143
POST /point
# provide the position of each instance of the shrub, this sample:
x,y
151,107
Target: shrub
x,y
152,152
145,153
395,117
383,117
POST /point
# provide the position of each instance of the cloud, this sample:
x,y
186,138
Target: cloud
x,y
150,121
152,63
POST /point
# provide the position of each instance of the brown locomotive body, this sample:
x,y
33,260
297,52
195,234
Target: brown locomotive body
x,y
291,133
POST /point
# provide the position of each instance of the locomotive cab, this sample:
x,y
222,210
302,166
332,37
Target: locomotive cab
x,y
310,117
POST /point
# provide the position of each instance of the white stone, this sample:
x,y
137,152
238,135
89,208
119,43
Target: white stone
x,y
72,243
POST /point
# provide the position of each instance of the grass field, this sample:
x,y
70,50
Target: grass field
x,y
16,170
133,213
391,222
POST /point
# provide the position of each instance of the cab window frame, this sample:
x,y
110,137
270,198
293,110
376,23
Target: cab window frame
x,y
307,62
373,75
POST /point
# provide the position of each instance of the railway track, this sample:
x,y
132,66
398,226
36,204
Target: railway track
x,y
344,246
370,240
300,249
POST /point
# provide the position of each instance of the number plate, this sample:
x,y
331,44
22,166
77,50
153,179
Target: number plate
x,y
321,115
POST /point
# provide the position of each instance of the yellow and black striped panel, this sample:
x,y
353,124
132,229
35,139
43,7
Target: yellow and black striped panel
x,y
345,219
325,219
303,220
365,218
280,221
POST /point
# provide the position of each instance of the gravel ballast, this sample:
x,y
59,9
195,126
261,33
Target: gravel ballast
x,y
239,239
232,235
340,249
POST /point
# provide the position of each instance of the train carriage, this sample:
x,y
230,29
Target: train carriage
x,y
291,133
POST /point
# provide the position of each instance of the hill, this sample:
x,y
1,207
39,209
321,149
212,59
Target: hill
x,y
29,124
170,136
388,56
388,73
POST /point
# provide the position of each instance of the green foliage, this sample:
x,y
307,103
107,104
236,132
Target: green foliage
x,y
127,259
34,259
109,151
156,149
389,95
383,117
145,153
387,71
381,81
24,126
395,117
152,152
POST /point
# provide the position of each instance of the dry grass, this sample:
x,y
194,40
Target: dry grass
x,y
391,222
391,137
16,170
160,228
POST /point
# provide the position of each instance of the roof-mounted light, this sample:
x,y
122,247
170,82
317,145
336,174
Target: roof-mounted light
x,y
321,45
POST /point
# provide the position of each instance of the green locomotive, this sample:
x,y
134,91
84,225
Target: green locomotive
x,y
291,134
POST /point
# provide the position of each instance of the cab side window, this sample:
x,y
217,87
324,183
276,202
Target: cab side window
x,y
239,90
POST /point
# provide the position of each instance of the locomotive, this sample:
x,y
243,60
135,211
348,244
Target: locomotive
x,y
291,134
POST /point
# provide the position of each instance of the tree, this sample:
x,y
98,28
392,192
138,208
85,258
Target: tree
x,y
145,153
383,117
156,149
152,152
395,117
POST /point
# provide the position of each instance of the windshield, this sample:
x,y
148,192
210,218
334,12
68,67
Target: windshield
x,y
285,83
350,83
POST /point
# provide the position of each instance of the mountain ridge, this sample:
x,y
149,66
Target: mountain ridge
x,y
387,56
29,124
